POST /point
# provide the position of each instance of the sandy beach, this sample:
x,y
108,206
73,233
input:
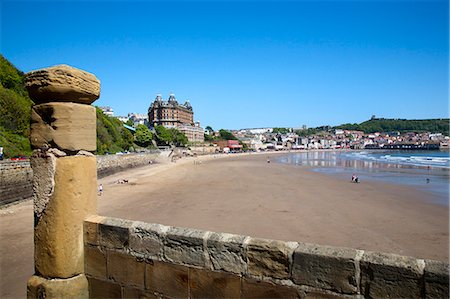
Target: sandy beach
x,y
243,194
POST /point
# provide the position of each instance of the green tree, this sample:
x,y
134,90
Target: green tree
x,y
170,136
281,130
306,132
130,123
226,135
179,139
163,136
143,137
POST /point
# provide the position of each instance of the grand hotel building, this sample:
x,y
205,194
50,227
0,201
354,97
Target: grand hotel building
x,y
171,114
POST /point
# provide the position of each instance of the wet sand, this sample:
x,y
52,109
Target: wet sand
x,y
246,195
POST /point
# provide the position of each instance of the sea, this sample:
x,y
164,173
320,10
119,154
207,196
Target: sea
x,y
424,170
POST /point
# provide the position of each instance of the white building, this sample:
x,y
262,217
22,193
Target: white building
x,y
107,110
138,118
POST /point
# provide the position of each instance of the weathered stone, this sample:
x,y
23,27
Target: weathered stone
x,y
388,275
436,274
62,83
100,289
91,230
324,295
114,233
208,284
226,252
269,257
59,250
44,167
148,239
261,289
74,287
185,246
125,269
133,293
167,279
331,268
66,126
95,262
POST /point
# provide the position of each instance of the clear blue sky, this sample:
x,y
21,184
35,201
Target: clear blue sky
x,y
246,64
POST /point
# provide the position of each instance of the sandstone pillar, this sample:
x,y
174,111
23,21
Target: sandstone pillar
x,y
63,137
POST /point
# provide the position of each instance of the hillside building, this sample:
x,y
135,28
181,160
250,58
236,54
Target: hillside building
x,y
171,114
107,110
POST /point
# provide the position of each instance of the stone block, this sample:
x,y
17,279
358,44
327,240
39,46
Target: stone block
x,y
91,230
436,274
74,287
62,83
100,289
114,233
66,126
125,269
326,267
185,246
269,257
325,295
58,231
167,279
133,293
226,252
148,239
95,261
208,284
264,290
387,275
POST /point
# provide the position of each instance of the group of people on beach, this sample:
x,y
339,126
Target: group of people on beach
x,y
355,179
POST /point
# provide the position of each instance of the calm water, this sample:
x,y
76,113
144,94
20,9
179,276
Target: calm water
x,y
411,168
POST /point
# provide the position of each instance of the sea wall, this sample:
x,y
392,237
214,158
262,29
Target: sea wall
x,y
110,164
16,177
131,259
16,181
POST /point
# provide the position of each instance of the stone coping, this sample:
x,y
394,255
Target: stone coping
x,y
338,270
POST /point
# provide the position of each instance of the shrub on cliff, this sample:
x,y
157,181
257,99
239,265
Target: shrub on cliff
x,y
15,110
112,136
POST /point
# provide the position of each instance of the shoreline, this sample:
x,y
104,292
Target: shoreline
x,y
213,196
243,194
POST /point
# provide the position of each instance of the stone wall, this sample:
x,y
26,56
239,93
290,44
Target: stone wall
x,y
130,259
16,181
16,177
110,164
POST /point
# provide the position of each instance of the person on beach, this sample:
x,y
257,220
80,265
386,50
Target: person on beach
x,y
100,190
268,160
